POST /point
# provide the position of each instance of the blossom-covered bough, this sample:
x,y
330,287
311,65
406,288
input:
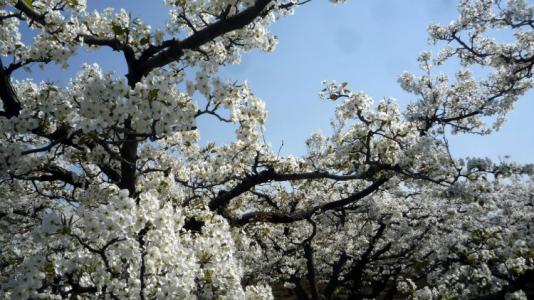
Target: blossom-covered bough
x,y
107,193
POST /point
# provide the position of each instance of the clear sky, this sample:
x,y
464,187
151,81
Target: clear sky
x,y
365,42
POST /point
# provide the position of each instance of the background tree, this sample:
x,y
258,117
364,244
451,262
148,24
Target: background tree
x,y
108,193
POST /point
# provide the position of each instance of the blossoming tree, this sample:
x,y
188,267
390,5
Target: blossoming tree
x,y
106,192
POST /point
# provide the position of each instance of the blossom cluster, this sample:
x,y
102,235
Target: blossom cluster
x,y
108,190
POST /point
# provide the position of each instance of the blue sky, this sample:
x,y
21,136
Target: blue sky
x,y
368,43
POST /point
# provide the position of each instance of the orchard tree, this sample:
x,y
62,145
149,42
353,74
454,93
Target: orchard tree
x,y
107,193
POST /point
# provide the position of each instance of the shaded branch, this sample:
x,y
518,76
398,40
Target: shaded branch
x,y
268,175
276,217
9,98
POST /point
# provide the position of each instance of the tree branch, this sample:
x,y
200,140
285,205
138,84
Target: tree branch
x,y
175,48
274,217
265,176
11,102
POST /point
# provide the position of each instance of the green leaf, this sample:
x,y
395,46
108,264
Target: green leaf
x,y
117,30
144,40
29,3
153,94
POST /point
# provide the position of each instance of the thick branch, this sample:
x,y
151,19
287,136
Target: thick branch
x,y
55,173
129,159
9,98
275,217
175,49
268,175
30,12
